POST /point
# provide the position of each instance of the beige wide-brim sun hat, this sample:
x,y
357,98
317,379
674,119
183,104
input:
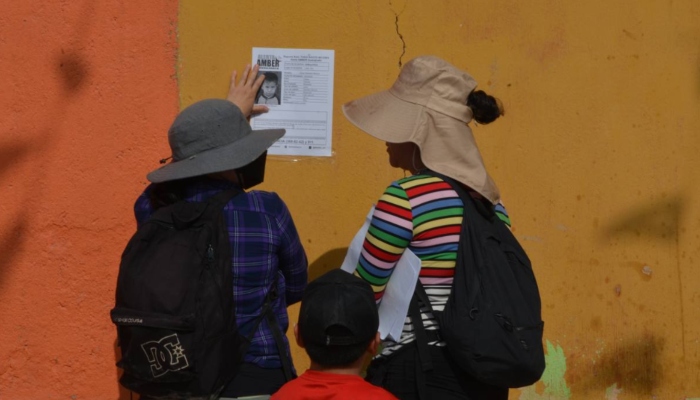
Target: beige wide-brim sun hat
x,y
427,106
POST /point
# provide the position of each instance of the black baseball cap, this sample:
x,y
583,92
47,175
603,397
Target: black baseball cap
x,y
335,300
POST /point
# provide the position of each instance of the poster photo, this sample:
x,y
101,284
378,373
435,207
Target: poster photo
x,y
298,89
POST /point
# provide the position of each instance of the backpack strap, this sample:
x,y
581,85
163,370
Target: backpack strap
x,y
419,331
281,348
470,203
175,212
222,198
217,203
420,296
267,313
473,209
425,362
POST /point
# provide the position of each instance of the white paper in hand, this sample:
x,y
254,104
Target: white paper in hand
x,y
353,255
397,295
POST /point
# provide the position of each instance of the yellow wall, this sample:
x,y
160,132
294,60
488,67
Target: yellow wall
x,y
596,157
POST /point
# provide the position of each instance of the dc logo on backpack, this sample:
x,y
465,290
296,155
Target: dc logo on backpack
x,y
165,355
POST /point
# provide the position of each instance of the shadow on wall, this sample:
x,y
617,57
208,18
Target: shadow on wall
x,y
658,220
11,154
11,243
12,236
71,66
329,260
635,366
73,72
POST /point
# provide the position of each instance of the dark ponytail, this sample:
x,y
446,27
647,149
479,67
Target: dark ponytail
x,y
486,108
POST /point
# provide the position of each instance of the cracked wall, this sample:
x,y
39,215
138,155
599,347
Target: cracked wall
x,y
596,157
398,31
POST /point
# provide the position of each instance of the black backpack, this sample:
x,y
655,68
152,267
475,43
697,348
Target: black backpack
x,y
492,322
174,310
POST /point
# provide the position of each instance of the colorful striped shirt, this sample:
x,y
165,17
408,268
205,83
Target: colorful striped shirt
x,y
264,243
424,214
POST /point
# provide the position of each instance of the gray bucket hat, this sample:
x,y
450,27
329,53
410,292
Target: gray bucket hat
x,y
211,136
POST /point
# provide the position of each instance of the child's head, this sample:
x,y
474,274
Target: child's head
x,y
338,320
269,86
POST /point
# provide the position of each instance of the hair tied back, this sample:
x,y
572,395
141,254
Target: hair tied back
x,y
485,108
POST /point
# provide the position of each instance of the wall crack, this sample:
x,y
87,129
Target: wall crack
x,y
398,32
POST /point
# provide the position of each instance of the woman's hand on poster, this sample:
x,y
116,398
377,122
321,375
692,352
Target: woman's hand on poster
x,y
242,93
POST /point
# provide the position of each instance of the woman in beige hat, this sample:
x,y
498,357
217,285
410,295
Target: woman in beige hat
x,y
423,118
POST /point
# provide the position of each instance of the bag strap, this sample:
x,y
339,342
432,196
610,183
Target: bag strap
x,y
475,206
222,198
216,203
285,358
425,362
473,210
172,212
267,312
419,331
471,207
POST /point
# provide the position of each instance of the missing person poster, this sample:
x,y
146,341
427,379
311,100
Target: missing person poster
x,y
298,89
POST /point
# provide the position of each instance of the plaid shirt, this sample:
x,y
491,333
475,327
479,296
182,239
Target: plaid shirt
x,y
264,242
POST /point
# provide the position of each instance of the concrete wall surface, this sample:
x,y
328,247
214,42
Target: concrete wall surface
x,y
596,159
86,90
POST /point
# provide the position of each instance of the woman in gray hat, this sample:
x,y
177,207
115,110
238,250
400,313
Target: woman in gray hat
x,y
424,120
214,149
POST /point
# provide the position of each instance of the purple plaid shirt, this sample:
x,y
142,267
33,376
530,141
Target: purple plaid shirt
x,y
264,242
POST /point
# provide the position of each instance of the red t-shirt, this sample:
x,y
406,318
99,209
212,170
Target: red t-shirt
x,y
318,385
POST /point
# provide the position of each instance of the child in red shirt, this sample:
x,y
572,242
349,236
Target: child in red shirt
x,y
337,327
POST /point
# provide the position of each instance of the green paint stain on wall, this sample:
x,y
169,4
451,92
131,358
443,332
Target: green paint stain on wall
x,y
555,387
612,392
553,377
529,393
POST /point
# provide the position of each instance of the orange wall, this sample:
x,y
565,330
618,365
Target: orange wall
x,y
87,91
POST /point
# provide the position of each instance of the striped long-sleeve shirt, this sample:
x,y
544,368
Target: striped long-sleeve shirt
x,y
424,214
